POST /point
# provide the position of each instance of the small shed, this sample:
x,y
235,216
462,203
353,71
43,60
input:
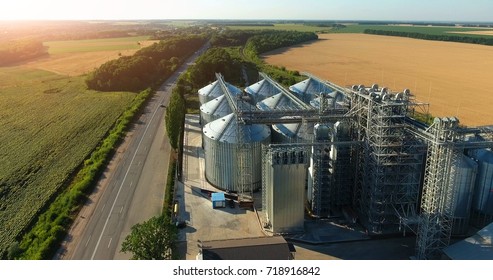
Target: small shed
x,y
218,200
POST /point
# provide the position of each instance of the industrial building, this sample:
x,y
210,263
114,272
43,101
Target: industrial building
x,y
320,150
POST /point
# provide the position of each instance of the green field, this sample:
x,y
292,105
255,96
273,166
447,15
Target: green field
x,y
282,26
111,44
48,125
432,30
360,28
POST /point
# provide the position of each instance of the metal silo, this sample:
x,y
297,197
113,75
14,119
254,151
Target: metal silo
x,y
214,90
220,148
308,89
261,90
333,100
284,133
482,202
276,102
464,178
215,109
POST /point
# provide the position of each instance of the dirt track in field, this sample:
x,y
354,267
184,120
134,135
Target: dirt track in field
x,y
453,77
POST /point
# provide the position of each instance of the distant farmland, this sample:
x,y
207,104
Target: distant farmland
x,y
452,77
76,57
281,26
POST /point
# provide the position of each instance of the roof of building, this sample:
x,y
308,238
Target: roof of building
x,y
476,247
253,248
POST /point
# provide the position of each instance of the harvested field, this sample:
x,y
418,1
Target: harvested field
x,y
452,77
75,64
77,57
485,32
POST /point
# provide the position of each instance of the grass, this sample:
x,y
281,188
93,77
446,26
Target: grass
x,y
48,125
111,44
283,26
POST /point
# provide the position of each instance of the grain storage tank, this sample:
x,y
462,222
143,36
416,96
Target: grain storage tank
x,y
220,107
334,100
482,202
276,102
221,148
308,89
214,109
261,90
464,179
282,133
214,90
286,132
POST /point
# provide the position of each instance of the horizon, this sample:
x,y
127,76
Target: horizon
x,y
254,10
280,21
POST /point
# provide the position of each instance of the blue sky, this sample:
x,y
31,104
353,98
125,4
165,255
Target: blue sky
x,y
429,10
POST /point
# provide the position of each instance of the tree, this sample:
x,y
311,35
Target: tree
x,y
175,114
153,239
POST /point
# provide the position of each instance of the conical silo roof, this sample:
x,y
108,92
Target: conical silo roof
x,y
288,129
216,108
261,90
276,102
225,130
214,90
309,88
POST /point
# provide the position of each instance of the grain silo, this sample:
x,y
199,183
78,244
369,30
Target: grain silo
x,y
308,89
285,132
464,178
214,90
482,202
214,109
221,148
261,90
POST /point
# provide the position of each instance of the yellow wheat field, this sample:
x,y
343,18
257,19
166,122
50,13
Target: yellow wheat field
x,y
453,77
81,62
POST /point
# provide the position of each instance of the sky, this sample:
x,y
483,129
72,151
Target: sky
x,y
402,10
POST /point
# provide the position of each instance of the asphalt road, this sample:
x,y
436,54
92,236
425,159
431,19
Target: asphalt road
x,y
135,187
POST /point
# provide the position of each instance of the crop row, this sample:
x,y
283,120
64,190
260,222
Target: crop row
x,y
48,125
52,225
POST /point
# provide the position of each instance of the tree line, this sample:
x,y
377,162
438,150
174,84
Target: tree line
x,y
148,67
481,40
18,51
277,39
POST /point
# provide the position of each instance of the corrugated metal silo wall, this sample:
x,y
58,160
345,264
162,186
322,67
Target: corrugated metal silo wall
x,y
285,196
464,179
482,204
221,164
